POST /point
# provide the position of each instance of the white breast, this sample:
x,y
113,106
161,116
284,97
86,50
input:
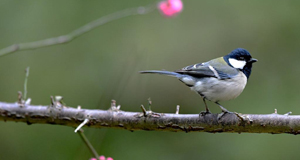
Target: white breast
x,y
221,90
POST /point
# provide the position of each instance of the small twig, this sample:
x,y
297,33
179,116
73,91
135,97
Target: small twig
x,y
177,109
88,144
81,125
25,83
78,32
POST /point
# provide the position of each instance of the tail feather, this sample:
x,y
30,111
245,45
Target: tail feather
x,y
174,74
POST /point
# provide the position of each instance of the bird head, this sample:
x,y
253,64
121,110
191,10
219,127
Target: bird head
x,y
240,59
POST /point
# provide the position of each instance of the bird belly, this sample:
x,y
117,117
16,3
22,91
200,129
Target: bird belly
x,y
188,80
216,90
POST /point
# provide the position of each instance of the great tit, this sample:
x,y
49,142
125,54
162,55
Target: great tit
x,y
219,79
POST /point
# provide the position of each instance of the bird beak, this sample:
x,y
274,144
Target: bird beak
x,y
252,60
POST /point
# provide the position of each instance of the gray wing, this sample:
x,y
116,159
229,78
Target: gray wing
x,y
214,68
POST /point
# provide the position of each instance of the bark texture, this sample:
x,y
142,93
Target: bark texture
x,y
147,120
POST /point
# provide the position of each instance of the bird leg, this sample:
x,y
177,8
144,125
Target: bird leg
x,y
224,111
203,113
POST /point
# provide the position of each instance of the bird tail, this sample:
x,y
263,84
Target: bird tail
x,y
173,74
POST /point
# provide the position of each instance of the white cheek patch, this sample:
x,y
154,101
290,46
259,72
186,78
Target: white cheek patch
x,y
237,63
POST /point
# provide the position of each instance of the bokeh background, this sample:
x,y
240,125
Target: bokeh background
x,y
104,63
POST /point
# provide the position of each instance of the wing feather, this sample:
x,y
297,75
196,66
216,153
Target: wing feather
x,y
215,68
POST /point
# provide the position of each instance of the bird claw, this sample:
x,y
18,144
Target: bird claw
x,y
223,113
203,113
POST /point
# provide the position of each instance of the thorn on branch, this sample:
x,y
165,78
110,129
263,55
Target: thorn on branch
x,y
82,124
113,103
144,110
288,113
113,106
148,113
20,99
283,114
59,101
244,118
52,101
177,109
28,101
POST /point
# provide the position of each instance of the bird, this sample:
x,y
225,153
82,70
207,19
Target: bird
x,y
220,79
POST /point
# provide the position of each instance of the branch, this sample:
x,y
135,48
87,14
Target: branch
x,y
148,120
78,32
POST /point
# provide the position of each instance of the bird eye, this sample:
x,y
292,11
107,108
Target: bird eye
x,y
241,58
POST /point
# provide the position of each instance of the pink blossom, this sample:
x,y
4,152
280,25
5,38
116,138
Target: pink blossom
x,y
170,8
102,158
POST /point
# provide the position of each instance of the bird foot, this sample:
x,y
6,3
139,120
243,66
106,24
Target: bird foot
x,y
223,113
203,113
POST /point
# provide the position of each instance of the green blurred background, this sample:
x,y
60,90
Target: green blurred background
x,y
104,63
